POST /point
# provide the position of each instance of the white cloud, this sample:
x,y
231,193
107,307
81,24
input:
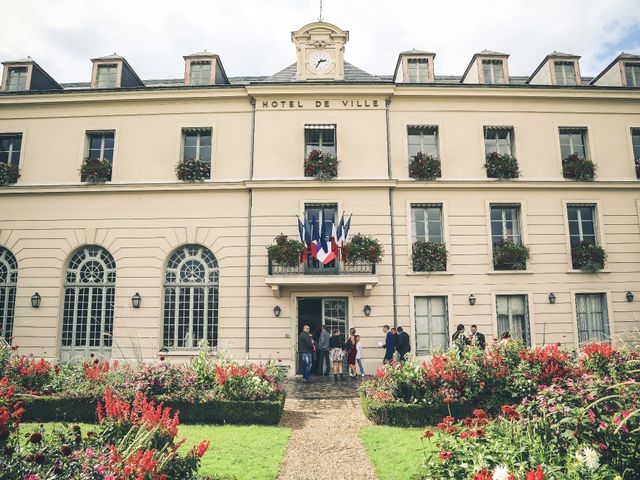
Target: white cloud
x,y
253,36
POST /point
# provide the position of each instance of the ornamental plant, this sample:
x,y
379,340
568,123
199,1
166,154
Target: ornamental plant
x,y
321,165
510,255
363,249
502,166
9,174
286,252
424,167
575,167
193,170
588,256
94,170
429,257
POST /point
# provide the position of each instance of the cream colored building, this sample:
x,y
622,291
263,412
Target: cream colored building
x,y
195,253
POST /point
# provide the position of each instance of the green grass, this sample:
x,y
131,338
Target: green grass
x,y
246,452
396,453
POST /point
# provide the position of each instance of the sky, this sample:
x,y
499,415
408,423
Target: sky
x,y
253,37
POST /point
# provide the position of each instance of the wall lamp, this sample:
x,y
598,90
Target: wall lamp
x,y
472,299
277,310
367,310
35,300
629,297
552,298
136,300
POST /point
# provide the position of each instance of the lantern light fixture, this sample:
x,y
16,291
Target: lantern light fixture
x,y
472,299
136,300
35,300
629,297
277,310
367,310
552,298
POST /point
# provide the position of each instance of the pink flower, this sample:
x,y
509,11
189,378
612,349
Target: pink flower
x,y
604,425
591,416
552,409
89,452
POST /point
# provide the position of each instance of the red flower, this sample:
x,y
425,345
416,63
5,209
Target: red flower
x,y
536,474
483,475
510,412
445,455
427,434
201,449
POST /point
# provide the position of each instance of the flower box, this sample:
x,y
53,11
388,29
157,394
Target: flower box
x,y
510,255
501,166
286,252
194,170
424,167
320,165
363,249
588,257
429,257
95,170
574,167
9,174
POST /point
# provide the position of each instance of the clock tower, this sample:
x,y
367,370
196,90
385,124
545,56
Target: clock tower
x,y
320,51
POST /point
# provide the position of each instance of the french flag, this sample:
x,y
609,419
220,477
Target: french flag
x,y
334,237
315,238
303,239
324,252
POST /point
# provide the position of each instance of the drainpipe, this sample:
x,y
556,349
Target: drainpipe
x,y
252,100
392,222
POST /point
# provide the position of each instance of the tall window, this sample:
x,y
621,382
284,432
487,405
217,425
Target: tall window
x,y
107,76
89,293
632,74
191,298
320,137
426,223
499,140
565,73
197,144
418,70
100,145
315,211
422,139
17,79
582,223
513,317
573,140
493,71
8,280
593,319
432,330
635,141
10,145
200,73
505,223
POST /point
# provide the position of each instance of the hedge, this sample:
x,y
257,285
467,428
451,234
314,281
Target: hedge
x,y
58,409
409,414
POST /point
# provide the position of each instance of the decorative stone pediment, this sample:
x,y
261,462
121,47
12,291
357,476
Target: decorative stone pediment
x,y
320,51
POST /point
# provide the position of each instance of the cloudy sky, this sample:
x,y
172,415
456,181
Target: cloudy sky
x,y
253,36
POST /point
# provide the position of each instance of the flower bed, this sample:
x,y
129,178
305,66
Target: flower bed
x,y
424,167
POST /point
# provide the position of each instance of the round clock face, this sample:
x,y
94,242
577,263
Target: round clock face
x,y
320,62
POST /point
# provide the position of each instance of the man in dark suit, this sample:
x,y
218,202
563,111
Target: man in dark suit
x,y
403,344
477,338
389,344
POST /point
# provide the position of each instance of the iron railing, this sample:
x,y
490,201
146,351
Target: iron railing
x,y
313,267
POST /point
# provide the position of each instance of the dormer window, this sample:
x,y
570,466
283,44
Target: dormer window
x,y
418,70
565,73
17,79
493,71
632,74
107,76
200,73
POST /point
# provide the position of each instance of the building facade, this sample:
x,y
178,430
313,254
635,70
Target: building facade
x,y
144,264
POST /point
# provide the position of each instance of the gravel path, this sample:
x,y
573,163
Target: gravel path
x,y
324,443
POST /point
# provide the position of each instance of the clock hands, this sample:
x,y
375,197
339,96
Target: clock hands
x,y
320,61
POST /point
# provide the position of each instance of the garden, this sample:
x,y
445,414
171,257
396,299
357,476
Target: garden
x,y
508,413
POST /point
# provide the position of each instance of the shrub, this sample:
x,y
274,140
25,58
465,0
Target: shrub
x,y
95,170
193,170
286,252
502,166
9,173
578,168
588,257
424,167
363,249
429,257
320,165
510,255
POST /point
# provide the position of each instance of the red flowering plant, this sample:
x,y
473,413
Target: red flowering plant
x,y
10,413
159,378
30,375
320,165
541,366
603,360
193,170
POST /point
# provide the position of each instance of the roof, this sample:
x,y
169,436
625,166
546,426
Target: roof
x,y
622,56
351,74
115,56
413,51
20,60
492,53
553,54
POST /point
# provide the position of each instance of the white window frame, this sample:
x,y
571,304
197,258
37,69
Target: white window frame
x,y
609,304
422,136
635,66
418,62
11,150
103,136
201,79
495,130
517,236
493,62
594,217
447,322
8,294
584,132
425,207
527,341
321,147
599,229
565,76
111,71
199,131
23,76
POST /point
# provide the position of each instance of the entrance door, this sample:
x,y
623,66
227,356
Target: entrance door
x,y
318,311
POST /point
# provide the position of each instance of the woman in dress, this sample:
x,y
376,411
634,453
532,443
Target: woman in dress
x,y
351,357
459,340
336,353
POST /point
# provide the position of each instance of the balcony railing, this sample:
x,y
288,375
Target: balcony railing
x,y
313,267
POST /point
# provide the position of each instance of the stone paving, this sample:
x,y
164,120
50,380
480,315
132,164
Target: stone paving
x,y
325,418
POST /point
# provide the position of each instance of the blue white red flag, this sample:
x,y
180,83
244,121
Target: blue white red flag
x,y
315,238
324,252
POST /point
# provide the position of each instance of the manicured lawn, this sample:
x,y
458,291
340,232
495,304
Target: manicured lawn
x,y
246,452
396,453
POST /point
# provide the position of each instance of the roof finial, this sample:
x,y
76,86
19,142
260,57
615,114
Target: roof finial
x,y
320,19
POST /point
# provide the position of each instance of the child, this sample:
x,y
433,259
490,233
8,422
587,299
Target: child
x,y
359,355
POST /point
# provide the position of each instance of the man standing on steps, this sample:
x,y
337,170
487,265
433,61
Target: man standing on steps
x,y
389,344
305,347
323,351
477,338
403,344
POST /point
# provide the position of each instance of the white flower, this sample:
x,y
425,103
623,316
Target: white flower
x,y
589,458
500,473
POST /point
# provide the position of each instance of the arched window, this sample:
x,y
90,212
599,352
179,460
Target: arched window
x,y
89,293
8,280
190,298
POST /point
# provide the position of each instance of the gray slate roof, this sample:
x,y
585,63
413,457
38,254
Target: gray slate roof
x,y
351,74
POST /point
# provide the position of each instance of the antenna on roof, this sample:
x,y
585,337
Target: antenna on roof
x,y
320,17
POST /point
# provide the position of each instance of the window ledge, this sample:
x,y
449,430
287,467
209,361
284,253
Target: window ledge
x,y
573,270
510,272
428,274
